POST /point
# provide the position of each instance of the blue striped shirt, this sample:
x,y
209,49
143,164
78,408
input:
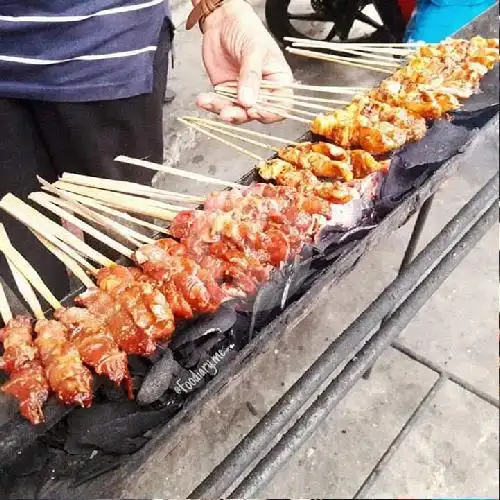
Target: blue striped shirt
x,y
70,50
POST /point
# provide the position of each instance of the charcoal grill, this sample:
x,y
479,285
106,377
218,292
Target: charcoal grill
x,y
63,461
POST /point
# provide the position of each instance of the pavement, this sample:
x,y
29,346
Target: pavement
x,y
452,448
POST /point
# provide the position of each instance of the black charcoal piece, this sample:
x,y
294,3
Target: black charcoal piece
x,y
476,118
114,426
138,365
214,341
157,380
221,321
18,433
97,465
58,475
110,391
412,165
169,399
56,437
31,459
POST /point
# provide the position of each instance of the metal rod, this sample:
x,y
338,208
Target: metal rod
x,y
401,436
305,426
467,386
257,440
416,233
423,213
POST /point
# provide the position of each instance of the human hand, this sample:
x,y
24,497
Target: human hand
x,y
237,47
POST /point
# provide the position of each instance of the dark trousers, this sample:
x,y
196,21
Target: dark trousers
x,y
49,138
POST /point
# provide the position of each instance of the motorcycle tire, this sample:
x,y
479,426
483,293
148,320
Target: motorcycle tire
x,y
276,12
277,20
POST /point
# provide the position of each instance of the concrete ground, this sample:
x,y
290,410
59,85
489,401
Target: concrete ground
x,y
452,451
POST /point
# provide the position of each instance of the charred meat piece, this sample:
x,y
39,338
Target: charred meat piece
x,y
130,338
27,381
95,343
64,369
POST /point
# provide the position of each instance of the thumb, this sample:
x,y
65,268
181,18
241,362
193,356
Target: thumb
x,y
250,77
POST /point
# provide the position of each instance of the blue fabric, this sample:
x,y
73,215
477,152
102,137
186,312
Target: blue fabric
x,y
78,80
435,20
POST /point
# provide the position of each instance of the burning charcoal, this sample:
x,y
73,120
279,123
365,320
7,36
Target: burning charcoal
x,y
221,321
113,426
157,380
30,460
18,433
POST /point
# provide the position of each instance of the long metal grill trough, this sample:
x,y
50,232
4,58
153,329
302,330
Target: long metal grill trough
x,y
82,453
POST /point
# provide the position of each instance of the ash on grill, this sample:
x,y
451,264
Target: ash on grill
x,y
76,446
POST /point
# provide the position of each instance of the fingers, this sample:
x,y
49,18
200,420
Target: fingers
x,y
262,116
222,107
250,76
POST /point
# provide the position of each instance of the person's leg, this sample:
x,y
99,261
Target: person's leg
x,y
86,137
22,158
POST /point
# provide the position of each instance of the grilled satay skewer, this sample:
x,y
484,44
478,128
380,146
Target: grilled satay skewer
x,y
64,368
68,378
286,174
27,381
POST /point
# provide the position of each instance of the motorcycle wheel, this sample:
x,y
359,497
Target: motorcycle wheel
x,y
279,23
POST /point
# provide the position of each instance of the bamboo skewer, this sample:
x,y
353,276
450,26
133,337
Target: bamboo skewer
x,y
295,100
227,143
44,200
294,96
128,187
238,136
67,261
40,223
203,130
325,57
24,267
371,58
370,55
22,283
129,234
358,44
376,62
260,104
126,202
363,49
176,171
5,311
283,114
91,202
240,130
71,252
26,291
299,86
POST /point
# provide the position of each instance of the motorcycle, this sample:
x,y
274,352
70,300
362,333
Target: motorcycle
x,y
339,20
